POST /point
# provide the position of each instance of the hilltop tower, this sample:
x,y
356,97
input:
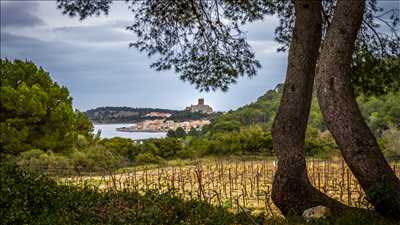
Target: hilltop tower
x,y
200,107
201,101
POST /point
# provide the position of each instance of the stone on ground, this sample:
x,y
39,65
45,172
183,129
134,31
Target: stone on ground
x,y
316,212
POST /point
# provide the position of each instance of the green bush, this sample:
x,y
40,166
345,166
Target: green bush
x,y
147,157
248,140
168,147
319,144
82,142
103,159
124,147
38,160
80,161
26,198
199,146
390,142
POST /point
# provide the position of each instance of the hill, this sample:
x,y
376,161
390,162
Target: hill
x,y
133,115
381,112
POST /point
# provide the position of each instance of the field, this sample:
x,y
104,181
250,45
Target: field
x,y
236,185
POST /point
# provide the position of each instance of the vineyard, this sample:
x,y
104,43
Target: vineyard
x,y
236,185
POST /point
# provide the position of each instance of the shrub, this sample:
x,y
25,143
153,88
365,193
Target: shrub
x,y
199,146
82,142
26,198
249,140
390,142
80,161
168,147
147,157
319,144
124,147
103,159
38,160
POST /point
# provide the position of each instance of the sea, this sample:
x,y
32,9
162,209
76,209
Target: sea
x,y
109,131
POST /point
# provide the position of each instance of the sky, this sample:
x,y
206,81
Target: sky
x,y
93,59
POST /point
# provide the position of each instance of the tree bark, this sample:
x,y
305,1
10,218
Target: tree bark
x,y
343,117
292,192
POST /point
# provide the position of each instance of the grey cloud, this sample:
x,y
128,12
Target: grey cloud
x,y
20,14
96,64
103,33
387,4
121,76
261,30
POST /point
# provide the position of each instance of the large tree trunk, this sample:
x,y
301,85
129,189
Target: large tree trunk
x,y
292,192
342,115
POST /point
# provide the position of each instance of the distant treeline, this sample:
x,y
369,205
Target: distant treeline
x,y
133,115
380,112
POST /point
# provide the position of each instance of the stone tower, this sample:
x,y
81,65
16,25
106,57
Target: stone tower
x,y
201,101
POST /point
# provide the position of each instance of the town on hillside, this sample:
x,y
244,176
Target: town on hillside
x,y
163,123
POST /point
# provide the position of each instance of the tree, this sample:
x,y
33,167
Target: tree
x,y
292,192
343,117
180,132
36,112
171,133
203,42
373,76
83,124
168,147
193,132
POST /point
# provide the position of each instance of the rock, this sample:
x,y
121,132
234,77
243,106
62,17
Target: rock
x,y
316,212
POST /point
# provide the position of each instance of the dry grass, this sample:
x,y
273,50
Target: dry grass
x,y
233,184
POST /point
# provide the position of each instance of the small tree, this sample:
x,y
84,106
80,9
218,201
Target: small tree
x,y
171,133
180,132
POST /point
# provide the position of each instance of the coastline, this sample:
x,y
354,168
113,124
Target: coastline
x,y
121,129
109,131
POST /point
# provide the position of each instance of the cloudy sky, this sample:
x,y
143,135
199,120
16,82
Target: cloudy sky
x,y
93,60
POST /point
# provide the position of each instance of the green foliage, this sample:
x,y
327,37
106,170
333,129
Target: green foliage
x,y
197,147
26,198
35,111
38,160
122,146
186,115
103,159
171,133
93,158
168,147
249,140
147,157
83,125
178,133
82,142
228,126
261,112
315,119
319,143
374,75
381,112
193,132
390,142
